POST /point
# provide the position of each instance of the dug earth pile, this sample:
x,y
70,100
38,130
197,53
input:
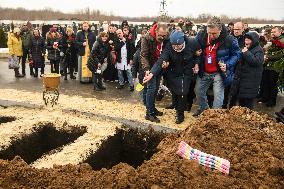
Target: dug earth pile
x,y
252,142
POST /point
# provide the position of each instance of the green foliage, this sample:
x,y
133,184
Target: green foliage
x,y
3,40
278,66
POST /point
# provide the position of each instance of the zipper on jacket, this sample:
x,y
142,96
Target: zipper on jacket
x,y
182,84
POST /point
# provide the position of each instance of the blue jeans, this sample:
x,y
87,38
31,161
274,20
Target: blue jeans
x,y
149,94
201,88
129,77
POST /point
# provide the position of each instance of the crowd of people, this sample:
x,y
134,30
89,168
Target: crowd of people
x,y
239,65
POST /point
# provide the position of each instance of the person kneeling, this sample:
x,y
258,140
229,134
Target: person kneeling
x,y
97,61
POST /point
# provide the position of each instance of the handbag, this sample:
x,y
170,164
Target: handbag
x,y
13,62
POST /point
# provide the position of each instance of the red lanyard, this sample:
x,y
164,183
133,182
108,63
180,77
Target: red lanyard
x,y
210,50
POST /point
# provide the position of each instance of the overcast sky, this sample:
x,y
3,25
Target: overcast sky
x,y
271,9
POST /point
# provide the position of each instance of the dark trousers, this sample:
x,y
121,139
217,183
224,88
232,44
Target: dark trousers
x,y
191,94
24,60
269,89
150,93
97,80
180,103
226,96
54,66
246,102
230,98
41,71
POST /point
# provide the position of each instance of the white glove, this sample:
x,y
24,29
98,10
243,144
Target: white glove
x,y
61,53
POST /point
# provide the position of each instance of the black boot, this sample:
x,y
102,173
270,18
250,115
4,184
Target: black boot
x,y
152,118
179,117
97,88
17,73
72,74
158,113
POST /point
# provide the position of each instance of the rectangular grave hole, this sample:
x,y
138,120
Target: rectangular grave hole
x,y
6,119
131,146
45,139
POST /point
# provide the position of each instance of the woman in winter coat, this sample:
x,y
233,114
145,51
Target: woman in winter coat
x,y
99,55
38,52
15,46
54,45
69,50
249,72
110,74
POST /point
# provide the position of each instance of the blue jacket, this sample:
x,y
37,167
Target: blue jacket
x,y
228,50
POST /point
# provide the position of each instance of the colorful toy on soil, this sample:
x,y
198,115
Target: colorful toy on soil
x,y
207,160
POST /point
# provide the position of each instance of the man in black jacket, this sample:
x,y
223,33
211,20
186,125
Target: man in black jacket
x,y
151,47
183,62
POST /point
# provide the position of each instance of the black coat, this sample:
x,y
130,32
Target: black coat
x,y
99,52
37,49
53,54
80,39
249,71
179,72
69,50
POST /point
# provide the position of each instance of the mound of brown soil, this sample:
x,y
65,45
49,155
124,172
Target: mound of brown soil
x,y
253,144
